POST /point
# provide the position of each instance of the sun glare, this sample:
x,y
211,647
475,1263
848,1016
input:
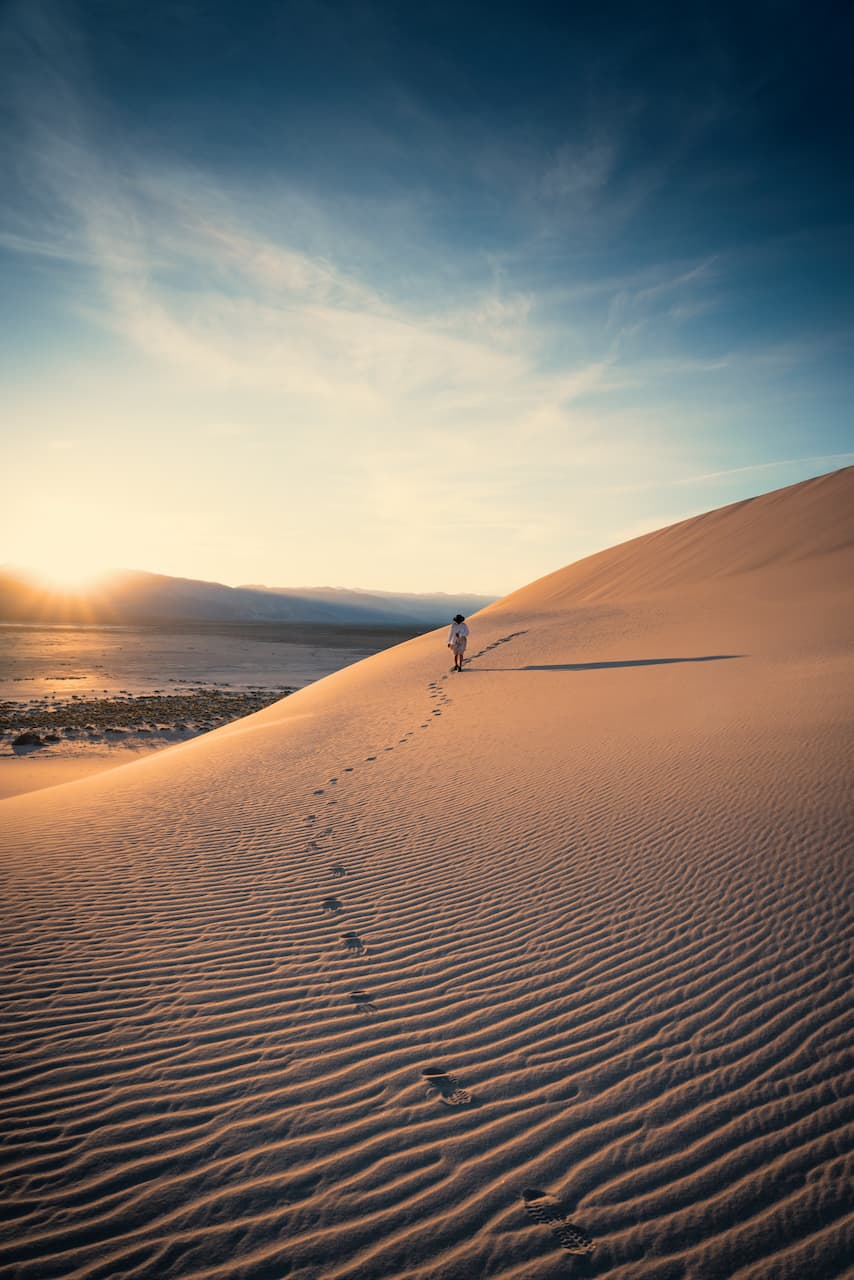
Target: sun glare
x,y
69,578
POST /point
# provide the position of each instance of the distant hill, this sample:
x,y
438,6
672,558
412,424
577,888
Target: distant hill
x,y
131,596
402,606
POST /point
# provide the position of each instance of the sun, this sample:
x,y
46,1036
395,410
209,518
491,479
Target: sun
x,y
69,577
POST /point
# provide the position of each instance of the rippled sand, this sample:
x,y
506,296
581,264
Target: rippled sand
x,y
540,970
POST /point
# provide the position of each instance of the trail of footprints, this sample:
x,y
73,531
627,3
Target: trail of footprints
x,y
442,1085
501,640
332,905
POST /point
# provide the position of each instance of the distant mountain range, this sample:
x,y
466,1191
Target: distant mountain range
x,y
131,596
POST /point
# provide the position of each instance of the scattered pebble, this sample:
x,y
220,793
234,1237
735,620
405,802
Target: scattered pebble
x,y
198,710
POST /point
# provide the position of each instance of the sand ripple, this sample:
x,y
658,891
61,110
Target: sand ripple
x,y
556,981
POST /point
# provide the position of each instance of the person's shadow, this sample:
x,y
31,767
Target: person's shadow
x,y
607,666
632,662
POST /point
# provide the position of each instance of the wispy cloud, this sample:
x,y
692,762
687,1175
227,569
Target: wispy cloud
x,y
817,460
186,279
663,483
475,345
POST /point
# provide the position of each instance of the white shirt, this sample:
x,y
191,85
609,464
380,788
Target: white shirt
x,y
457,629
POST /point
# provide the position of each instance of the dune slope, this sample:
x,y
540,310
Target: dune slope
x,y
540,970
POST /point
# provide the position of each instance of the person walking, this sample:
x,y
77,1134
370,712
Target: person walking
x,y
457,640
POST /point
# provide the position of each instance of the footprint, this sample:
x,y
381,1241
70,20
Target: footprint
x,y
448,1088
370,757
338,872
320,792
332,781
348,769
354,944
332,906
544,1209
389,748
311,817
363,1002
328,802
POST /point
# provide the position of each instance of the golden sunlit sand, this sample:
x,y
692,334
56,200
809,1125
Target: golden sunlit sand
x,y
18,776
539,970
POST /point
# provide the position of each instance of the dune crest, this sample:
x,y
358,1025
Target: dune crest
x,y
802,525
538,970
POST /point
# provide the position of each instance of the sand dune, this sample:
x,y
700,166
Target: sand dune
x,y
538,971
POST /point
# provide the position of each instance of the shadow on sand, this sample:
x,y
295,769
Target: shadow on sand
x,y
608,666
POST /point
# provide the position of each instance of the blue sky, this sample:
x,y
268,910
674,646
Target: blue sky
x,y
416,298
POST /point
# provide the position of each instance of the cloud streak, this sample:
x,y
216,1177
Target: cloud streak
x,y
827,461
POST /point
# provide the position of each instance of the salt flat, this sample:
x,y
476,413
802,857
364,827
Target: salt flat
x,y
101,696
597,887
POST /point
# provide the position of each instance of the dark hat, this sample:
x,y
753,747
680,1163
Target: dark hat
x,y
459,618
